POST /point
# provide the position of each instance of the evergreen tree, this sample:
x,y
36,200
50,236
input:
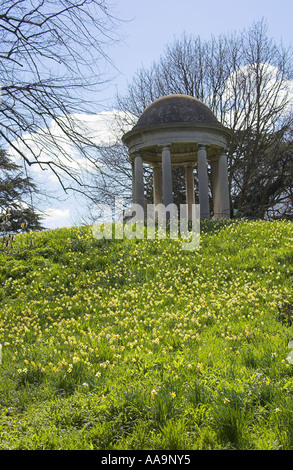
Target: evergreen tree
x,y
15,213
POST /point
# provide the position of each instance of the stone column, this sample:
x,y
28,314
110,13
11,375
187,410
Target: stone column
x,y
133,182
157,184
138,180
189,185
203,184
224,186
215,189
167,176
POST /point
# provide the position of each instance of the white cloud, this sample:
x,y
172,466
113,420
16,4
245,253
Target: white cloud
x,y
241,88
54,217
103,129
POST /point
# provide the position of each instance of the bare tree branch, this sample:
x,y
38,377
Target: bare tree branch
x,y
53,59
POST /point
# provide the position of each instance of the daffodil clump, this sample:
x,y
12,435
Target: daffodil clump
x,y
138,344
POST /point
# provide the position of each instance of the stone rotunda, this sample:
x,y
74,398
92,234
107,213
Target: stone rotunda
x,y
180,130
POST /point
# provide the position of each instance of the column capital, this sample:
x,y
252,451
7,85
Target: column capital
x,y
166,146
201,147
136,154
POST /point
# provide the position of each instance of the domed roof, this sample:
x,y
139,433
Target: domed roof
x,y
176,109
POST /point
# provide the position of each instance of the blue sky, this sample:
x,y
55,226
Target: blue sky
x,y
154,23
150,25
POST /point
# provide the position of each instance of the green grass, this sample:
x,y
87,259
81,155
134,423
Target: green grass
x,y
137,344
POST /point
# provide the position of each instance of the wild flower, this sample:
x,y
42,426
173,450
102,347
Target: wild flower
x,y
198,320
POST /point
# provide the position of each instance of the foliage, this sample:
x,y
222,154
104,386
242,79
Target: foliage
x,y
136,344
16,214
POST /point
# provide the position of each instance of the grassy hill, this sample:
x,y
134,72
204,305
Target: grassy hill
x,y
136,344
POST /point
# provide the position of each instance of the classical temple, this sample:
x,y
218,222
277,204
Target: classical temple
x,y
180,130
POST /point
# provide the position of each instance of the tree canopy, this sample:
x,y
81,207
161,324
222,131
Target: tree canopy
x,y
16,211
